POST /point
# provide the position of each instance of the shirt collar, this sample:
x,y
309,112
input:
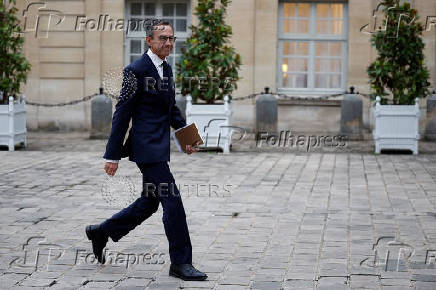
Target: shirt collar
x,y
157,61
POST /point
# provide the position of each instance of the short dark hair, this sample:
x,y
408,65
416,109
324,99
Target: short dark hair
x,y
150,29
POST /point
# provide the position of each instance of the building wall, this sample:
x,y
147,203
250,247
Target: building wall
x,y
68,64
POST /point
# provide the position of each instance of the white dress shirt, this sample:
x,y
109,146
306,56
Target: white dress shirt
x,y
157,61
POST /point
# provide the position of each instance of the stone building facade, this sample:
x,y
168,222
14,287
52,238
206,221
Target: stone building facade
x,y
300,48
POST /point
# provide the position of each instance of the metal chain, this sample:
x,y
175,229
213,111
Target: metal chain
x,y
283,96
251,96
245,97
84,99
365,95
298,98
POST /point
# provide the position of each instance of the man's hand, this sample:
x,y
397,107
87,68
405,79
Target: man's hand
x,y
111,168
191,149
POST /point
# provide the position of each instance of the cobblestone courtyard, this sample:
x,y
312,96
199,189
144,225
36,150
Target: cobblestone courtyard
x,y
266,220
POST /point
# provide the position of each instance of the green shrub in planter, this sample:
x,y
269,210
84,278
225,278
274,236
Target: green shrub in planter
x,y
13,65
208,66
399,74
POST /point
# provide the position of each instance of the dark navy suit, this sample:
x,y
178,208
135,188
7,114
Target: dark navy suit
x,y
152,112
151,106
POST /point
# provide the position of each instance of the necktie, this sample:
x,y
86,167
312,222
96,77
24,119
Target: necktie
x,y
166,70
167,73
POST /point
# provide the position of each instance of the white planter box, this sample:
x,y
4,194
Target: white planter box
x,y
13,123
396,126
213,123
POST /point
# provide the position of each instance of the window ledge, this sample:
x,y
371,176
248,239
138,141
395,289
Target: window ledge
x,y
310,102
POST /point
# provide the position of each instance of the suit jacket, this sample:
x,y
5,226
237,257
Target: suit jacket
x,y
152,110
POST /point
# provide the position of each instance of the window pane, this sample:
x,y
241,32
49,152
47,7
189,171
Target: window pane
x,y
322,27
135,24
169,20
287,81
321,48
301,81
134,57
300,64
135,9
302,26
337,10
135,46
288,48
322,65
149,8
170,60
336,27
288,26
178,46
335,65
303,10
302,48
335,81
287,65
313,20
181,25
321,80
145,46
181,9
322,10
288,9
168,9
335,49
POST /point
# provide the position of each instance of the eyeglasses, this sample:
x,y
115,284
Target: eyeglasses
x,y
165,38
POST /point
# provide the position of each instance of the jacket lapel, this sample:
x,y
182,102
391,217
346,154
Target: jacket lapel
x,y
151,70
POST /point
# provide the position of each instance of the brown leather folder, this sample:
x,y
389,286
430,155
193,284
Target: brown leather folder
x,y
187,135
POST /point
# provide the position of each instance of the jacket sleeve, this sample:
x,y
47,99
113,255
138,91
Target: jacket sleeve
x,y
122,115
176,119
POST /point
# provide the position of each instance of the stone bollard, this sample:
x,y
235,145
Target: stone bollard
x,y
351,116
266,114
101,116
430,128
181,104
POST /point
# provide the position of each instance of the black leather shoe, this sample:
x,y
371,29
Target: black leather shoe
x,y
186,272
98,239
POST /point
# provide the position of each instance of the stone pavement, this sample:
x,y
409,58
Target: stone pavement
x,y
258,220
79,141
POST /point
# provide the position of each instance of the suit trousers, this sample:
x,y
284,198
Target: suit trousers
x,y
158,186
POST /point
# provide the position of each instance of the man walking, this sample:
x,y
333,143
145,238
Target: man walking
x,y
148,98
